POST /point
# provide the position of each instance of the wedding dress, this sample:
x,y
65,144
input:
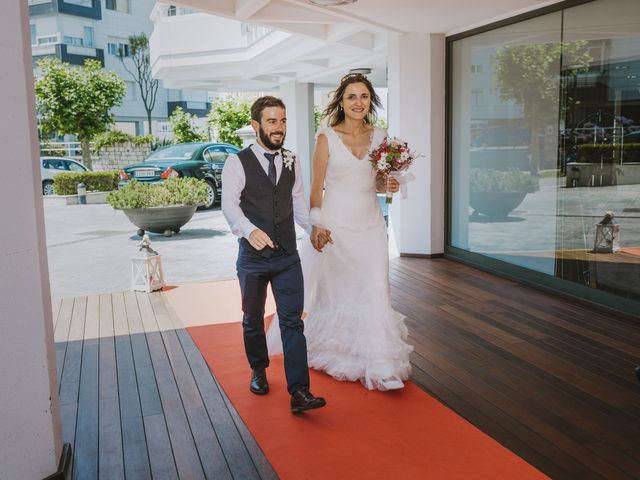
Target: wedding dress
x,y
352,332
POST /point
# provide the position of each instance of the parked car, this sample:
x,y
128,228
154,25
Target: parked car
x,y
504,136
199,159
52,166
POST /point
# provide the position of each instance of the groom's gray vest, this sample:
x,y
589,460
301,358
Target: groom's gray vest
x,y
269,207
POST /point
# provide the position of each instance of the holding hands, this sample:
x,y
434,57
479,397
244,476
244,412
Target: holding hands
x,y
320,237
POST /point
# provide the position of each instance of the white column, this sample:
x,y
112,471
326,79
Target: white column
x,y
417,115
30,431
298,98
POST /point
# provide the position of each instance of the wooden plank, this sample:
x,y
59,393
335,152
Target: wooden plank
x,y
120,324
146,381
206,441
55,310
238,454
86,447
70,378
61,334
110,456
160,452
258,457
494,387
134,444
549,378
160,455
184,449
244,458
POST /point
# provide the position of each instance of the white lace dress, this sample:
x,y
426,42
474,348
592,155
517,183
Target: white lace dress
x,y
352,332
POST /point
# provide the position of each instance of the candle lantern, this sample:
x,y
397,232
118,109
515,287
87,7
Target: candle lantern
x,y
146,268
607,235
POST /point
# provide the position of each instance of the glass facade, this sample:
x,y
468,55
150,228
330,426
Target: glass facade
x,y
544,148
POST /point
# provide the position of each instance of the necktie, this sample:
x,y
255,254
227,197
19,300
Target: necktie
x,y
272,166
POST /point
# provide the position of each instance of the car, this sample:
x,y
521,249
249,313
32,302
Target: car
x,y
504,136
632,137
202,160
52,166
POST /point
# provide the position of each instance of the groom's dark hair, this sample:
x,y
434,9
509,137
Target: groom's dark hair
x,y
264,102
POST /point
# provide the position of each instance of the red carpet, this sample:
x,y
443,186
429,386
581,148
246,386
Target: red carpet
x,y
359,434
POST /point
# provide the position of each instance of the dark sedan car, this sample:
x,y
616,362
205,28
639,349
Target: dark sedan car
x,y
199,160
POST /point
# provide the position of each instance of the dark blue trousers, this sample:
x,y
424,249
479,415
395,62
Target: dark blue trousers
x,y
284,272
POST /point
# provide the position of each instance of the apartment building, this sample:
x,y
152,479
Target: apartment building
x,y
76,30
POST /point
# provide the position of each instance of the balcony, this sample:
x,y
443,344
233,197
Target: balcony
x,y
52,45
194,50
80,8
186,46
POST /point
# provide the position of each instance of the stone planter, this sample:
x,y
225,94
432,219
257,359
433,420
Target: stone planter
x,y
495,204
167,220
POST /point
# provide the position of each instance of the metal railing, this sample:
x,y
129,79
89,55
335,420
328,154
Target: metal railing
x,y
61,149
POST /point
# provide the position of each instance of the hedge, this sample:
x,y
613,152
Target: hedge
x,y
175,191
595,153
67,183
488,180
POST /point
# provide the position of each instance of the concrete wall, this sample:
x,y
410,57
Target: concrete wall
x,y
117,156
30,431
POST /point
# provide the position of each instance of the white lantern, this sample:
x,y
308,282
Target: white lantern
x,y
607,235
146,269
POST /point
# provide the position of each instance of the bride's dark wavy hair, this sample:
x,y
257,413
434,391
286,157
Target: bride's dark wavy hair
x,y
334,111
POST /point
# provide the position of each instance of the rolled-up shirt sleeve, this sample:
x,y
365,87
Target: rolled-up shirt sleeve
x,y
300,206
233,181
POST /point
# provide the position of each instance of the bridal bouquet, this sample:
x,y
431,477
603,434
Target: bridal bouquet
x,y
392,158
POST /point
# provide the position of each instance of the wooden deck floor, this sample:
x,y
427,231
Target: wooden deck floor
x,y
551,380
138,400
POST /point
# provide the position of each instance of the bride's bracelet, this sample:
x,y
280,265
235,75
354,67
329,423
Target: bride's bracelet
x,y
315,217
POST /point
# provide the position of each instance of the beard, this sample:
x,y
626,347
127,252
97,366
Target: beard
x,y
266,140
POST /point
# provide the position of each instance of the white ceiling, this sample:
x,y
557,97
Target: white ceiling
x,y
299,16
336,38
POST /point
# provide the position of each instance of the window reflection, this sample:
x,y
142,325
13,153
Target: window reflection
x,y
545,140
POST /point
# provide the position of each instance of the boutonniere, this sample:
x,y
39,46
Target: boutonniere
x,y
288,158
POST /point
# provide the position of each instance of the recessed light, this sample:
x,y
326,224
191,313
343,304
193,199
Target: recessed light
x,y
330,3
361,71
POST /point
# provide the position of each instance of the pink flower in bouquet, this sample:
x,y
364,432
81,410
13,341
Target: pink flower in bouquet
x,y
390,158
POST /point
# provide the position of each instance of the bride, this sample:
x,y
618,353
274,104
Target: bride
x,y
352,332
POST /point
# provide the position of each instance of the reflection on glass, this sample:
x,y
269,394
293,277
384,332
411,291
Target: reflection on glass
x,y
545,140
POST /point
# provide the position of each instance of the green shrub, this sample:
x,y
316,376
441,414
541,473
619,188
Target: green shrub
x,y
487,180
161,143
109,138
144,140
228,116
175,191
184,130
597,153
49,150
117,137
67,183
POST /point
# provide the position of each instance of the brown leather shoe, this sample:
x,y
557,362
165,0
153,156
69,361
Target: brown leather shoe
x,y
259,384
303,399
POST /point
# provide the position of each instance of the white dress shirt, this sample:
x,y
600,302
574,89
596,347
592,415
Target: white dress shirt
x,y
233,182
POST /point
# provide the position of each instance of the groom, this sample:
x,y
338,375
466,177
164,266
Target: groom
x,y
262,196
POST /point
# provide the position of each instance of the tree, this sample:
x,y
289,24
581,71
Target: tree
x,y
183,128
227,116
76,100
141,72
529,75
